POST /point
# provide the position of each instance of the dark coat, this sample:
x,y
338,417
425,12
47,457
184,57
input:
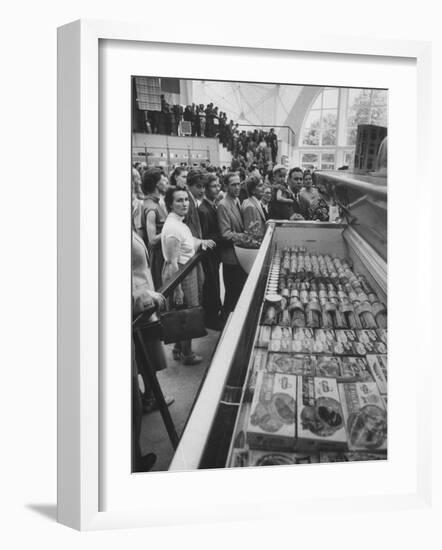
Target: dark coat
x,y
192,219
211,261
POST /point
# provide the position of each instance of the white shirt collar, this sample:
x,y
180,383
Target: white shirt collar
x,y
175,216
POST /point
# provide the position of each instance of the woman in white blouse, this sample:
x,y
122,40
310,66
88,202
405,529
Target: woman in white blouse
x,y
179,246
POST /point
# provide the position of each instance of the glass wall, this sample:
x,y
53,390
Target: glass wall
x,y
329,130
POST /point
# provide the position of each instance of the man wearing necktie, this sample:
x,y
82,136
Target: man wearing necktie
x,y
265,200
195,184
231,225
211,261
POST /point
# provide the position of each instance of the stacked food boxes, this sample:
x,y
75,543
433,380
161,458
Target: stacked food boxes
x,y
319,370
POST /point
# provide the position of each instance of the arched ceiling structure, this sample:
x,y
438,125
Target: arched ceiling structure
x,y
248,103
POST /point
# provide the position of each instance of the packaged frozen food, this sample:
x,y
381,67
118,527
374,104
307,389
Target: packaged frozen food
x,y
319,414
365,416
265,458
342,348
377,365
354,369
366,336
264,336
291,363
284,345
382,334
272,421
350,456
328,366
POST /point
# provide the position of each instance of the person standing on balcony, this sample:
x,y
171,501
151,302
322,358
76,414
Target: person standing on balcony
x,y
272,141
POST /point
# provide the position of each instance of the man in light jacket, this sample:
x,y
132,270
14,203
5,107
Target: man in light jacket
x,y
231,227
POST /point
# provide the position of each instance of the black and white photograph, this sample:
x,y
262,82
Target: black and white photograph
x,y
259,274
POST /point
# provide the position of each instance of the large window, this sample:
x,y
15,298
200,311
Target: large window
x,y
365,107
328,135
314,161
321,122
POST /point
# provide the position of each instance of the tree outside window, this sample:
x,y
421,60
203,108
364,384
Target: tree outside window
x,y
365,107
321,122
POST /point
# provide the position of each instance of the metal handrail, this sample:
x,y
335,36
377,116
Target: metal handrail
x,y
355,183
167,289
269,126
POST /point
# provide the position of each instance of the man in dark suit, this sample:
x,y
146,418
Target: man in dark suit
x,y
231,226
294,181
211,261
195,186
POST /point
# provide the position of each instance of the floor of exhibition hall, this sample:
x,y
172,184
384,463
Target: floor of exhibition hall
x,y
183,383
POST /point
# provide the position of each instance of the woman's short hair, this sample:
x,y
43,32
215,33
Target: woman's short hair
x,y
168,197
210,177
252,183
151,177
178,170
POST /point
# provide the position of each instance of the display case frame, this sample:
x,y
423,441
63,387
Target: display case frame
x,y
79,278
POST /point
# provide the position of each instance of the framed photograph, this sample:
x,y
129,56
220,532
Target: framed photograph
x,y
284,362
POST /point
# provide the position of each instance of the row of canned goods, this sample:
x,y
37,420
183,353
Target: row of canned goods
x,y
321,304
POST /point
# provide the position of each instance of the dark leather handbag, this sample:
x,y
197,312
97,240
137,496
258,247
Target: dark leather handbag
x,y
183,324
149,325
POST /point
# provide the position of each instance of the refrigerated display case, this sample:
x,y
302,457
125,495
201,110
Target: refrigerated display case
x,y
215,433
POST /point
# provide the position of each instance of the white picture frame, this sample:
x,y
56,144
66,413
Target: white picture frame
x,y
79,272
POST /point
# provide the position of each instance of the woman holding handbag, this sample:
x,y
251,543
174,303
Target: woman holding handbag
x,y
179,246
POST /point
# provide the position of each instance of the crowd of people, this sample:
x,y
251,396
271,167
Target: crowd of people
x,y
247,147
202,209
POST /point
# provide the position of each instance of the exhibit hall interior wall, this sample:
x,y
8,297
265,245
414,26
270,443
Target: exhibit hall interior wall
x,y
315,125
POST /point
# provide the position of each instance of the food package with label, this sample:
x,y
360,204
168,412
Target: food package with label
x,y
284,345
362,349
377,365
380,347
354,369
342,348
366,336
382,334
292,363
303,340
320,419
365,416
324,340
350,456
264,334
272,421
345,336
328,366
266,458
279,332
258,364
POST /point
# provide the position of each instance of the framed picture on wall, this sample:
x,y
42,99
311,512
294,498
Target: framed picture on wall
x,y
289,368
